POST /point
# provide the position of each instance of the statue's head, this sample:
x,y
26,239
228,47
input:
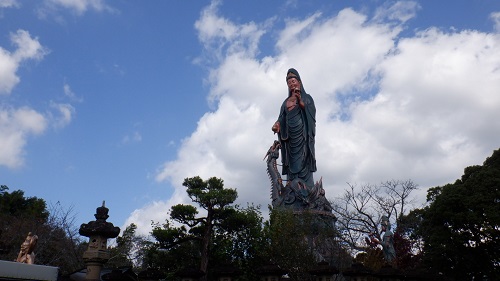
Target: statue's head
x,y
292,72
385,222
293,81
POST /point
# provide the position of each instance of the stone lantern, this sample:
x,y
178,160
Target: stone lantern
x,y
98,231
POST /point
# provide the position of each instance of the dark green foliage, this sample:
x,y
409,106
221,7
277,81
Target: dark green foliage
x,y
461,226
288,246
224,235
18,216
176,257
16,205
129,249
372,258
238,241
297,241
407,242
408,255
58,241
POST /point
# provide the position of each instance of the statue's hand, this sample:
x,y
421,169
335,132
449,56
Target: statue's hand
x,y
302,104
276,127
297,95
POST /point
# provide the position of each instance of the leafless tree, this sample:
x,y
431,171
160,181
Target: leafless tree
x,y
359,209
59,243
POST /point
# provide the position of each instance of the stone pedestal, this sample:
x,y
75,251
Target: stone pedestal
x,y
93,271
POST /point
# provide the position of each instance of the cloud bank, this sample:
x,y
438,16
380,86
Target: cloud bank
x,y
78,7
18,124
388,107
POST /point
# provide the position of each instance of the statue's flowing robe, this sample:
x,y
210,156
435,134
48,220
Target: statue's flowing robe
x,y
297,132
388,246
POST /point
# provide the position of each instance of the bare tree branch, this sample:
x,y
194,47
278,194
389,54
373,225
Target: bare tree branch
x,y
359,209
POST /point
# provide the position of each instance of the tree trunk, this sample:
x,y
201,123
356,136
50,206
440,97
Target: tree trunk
x,y
204,245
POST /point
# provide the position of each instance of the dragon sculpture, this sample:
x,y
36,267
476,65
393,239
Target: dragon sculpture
x,y
295,194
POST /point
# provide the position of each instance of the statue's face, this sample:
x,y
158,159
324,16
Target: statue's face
x,y
293,83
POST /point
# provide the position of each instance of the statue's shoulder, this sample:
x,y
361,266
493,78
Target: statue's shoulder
x,y
308,96
283,105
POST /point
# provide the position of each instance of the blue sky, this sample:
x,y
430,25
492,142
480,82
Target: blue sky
x,y
122,100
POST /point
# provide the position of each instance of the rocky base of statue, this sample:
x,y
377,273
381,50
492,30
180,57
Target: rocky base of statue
x,y
296,194
308,204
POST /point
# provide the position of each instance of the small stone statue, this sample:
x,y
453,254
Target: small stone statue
x,y
26,254
387,240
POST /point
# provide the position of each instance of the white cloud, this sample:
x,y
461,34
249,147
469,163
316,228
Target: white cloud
x,y
79,7
156,212
132,138
68,92
63,115
496,19
9,4
295,31
222,37
420,108
26,48
16,125
8,68
400,11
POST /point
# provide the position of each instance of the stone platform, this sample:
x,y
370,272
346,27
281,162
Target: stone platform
x,y
22,271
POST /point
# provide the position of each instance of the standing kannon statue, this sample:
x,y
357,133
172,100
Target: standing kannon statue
x,y
296,130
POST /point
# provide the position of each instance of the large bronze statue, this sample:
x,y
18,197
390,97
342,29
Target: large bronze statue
x,y
296,129
26,254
